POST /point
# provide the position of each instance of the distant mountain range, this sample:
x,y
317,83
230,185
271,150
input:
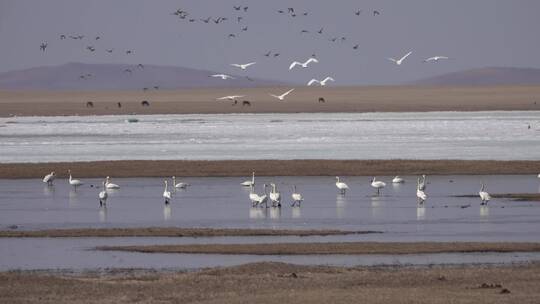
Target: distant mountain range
x,y
485,76
82,76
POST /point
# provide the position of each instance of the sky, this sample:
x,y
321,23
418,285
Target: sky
x,y
474,34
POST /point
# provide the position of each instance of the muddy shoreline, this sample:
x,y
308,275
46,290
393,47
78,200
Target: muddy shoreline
x,y
284,283
350,248
185,168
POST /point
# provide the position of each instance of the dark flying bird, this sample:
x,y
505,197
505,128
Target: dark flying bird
x,y
304,31
140,66
290,10
90,48
356,47
128,52
232,36
245,9
43,46
109,50
128,71
276,54
191,20
237,7
97,37
358,12
62,37
375,13
206,20
245,28
320,31
281,11
239,19
268,54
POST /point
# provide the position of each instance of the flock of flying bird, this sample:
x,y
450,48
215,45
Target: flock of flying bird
x,y
260,200
240,16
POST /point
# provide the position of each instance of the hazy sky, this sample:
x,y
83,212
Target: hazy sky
x,y
475,33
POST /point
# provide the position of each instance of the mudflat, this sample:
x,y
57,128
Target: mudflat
x,y
314,167
304,99
282,283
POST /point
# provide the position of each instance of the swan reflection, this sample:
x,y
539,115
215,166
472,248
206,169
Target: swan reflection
x,y
48,190
296,213
167,212
275,213
103,214
257,213
341,203
420,212
484,211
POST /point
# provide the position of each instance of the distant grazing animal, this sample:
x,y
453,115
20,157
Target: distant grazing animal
x,y
119,104
246,103
322,100
145,103
89,104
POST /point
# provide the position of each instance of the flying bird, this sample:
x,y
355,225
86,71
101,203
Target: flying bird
x,y
109,50
237,7
206,20
321,30
398,62
268,54
43,46
243,66
62,37
231,97
222,76
282,96
435,58
355,47
376,13
358,12
304,64
320,82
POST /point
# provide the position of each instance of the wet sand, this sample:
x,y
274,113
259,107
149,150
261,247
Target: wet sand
x,y
143,168
171,232
304,99
282,283
333,248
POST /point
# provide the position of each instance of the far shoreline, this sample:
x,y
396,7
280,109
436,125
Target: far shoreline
x,y
243,168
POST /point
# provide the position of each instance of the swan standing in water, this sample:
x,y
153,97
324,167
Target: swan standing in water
x,y
398,180
420,194
484,196
179,185
110,185
256,199
74,182
297,197
49,178
250,183
422,184
167,194
103,196
377,185
341,186
275,196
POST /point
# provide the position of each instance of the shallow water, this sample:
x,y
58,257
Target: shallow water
x,y
76,254
222,202
428,135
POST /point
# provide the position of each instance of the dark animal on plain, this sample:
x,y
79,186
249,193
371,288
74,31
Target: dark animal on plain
x,y
235,102
89,104
145,103
145,89
156,87
246,103
322,100
119,104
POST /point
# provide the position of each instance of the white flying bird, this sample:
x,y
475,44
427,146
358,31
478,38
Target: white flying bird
x,y
435,58
322,83
282,96
231,97
243,66
304,65
222,76
398,62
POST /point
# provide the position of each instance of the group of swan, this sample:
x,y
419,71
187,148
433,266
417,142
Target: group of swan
x,y
49,178
258,200
378,185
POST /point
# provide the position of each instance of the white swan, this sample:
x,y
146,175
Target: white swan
x,y
222,76
110,185
435,58
303,64
341,186
422,185
74,182
230,97
103,196
179,185
322,83
420,194
243,66
282,96
49,178
275,196
399,61
297,197
256,199
377,185
398,180
484,196
167,194
249,183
